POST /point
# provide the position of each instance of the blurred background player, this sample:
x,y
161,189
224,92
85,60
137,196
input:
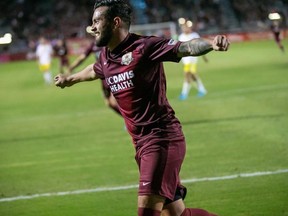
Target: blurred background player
x,y
61,52
44,54
109,99
276,30
190,62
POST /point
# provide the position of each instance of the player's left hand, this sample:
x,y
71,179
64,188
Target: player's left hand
x,y
61,81
220,43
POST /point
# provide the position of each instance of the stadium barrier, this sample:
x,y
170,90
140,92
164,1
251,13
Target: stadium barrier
x,y
250,36
77,46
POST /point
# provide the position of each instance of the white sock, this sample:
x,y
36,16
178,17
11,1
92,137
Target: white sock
x,y
200,86
48,77
186,88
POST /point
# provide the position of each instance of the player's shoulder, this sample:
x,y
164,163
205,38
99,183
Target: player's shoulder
x,y
181,36
136,41
195,34
137,37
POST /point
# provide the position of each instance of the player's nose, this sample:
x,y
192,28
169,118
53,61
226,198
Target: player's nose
x,y
93,28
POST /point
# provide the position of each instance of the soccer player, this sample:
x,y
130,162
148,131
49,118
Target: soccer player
x,y
61,52
190,64
132,66
276,30
44,53
109,99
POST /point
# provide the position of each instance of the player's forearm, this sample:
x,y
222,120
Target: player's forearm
x,y
87,74
195,47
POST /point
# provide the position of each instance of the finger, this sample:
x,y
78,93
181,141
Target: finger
x,y
57,83
219,40
223,43
226,44
56,78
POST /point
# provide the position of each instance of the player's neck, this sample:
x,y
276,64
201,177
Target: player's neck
x,y
117,39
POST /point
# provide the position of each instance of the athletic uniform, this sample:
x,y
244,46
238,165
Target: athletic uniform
x,y
190,62
135,74
190,67
44,53
62,53
276,32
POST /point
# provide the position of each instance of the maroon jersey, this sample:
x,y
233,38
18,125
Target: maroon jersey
x,y
62,53
135,74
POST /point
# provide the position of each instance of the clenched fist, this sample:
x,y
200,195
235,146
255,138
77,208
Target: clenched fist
x,y
220,43
62,81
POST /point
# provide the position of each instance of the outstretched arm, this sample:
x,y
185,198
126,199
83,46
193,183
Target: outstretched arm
x,y
86,74
200,46
78,61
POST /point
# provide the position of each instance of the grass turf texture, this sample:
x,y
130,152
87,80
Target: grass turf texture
x,y
55,140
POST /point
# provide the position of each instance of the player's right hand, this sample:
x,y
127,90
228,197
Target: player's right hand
x,y
220,43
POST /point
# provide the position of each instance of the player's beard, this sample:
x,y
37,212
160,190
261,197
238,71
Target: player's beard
x,y
105,36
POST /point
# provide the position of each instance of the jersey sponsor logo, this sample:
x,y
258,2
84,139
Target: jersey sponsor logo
x,y
120,81
172,42
127,59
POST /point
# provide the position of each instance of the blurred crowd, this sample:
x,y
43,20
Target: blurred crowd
x,y
28,19
253,13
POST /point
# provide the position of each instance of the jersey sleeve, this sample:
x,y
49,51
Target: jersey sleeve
x,y
162,49
97,67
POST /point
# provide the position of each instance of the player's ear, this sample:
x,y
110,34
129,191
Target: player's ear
x,y
117,22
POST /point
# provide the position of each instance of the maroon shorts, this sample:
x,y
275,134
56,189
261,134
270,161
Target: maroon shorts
x,y
159,166
64,61
277,36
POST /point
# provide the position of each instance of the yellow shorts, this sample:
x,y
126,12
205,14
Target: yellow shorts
x,y
190,68
44,67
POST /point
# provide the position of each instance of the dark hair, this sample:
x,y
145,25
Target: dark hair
x,y
120,8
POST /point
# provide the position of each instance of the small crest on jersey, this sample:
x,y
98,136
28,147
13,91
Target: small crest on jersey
x,y
127,59
172,42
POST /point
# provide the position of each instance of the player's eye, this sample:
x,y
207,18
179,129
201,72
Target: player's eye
x,y
95,21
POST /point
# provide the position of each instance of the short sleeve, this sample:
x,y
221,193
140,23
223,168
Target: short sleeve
x,y
161,49
97,67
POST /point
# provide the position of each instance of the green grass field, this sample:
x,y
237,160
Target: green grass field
x,y
54,140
